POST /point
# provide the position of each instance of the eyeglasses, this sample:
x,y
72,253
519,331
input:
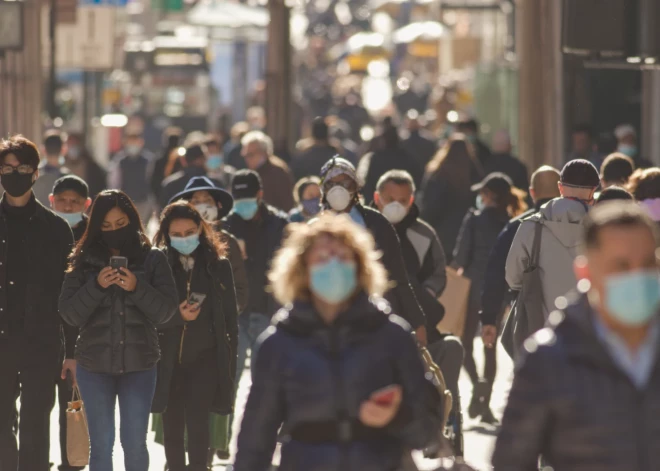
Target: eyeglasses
x,y
21,169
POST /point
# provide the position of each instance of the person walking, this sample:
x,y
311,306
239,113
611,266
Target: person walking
x,y
586,394
310,160
118,290
616,170
390,157
260,227
645,187
70,200
52,166
419,143
426,266
130,171
195,165
216,165
35,246
497,202
197,371
307,195
81,163
163,167
503,161
274,173
341,188
562,220
543,188
314,372
446,195
627,144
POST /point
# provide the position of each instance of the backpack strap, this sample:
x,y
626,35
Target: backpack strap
x,y
538,220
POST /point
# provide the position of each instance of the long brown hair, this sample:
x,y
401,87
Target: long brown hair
x,y
91,242
208,238
512,204
456,161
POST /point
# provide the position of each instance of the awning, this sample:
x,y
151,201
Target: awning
x,y
224,14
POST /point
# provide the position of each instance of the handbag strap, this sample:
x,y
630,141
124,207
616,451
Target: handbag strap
x,y
536,245
75,394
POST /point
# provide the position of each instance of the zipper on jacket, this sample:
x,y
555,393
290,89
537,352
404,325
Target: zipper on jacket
x,y
183,336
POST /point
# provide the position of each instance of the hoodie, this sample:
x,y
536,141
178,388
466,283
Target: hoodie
x,y
562,220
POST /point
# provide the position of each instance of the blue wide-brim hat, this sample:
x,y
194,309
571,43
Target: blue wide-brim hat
x,y
205,184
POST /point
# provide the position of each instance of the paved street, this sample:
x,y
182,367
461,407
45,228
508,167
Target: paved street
x,y
479,439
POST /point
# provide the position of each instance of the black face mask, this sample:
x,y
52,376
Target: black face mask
x,y
16,184
118,238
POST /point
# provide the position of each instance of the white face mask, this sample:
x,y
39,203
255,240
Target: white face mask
x,y
395,212
208,211
339,198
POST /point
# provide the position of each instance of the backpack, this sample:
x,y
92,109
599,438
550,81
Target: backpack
x,y
523,317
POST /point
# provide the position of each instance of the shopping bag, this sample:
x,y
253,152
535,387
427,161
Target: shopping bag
x,y
77,433
455,300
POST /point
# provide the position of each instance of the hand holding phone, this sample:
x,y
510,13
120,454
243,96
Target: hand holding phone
x,y
196,298
381,407
118,262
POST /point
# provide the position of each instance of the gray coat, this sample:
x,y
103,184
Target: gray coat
x,y
562,232
573,405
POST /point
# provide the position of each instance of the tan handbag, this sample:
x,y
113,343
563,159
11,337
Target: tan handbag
x,y
77,433
455,301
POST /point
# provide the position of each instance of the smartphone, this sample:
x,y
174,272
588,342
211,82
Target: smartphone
x,y
196,298
118,262
384,396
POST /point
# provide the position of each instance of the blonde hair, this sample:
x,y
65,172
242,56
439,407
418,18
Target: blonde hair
x,y
288,277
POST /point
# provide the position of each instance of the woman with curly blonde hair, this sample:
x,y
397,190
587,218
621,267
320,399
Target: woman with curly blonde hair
x,y
337,369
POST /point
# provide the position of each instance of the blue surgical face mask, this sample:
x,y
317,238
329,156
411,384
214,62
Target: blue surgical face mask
x,y
185,245
333,281
214,162
246,208
480,202
311,207
72,218
628,149
633,298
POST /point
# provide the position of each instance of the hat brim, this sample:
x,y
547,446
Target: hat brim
x,y
477,187
219,195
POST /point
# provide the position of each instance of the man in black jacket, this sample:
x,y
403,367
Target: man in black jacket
x,y
310,160
70,200
543,189
35,245
259,229
586,395
341,186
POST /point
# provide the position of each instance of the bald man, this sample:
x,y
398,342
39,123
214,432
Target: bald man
x,y
543,188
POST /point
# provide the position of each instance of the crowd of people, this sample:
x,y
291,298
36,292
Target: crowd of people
x,y
328,275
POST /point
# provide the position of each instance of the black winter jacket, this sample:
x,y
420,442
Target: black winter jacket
x,y
50,241
401,297
235,257
372,166
269,232
221,302
572,404
309,375
118,329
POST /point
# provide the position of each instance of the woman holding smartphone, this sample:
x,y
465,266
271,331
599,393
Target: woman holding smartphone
x,y
339,371
118,289
196,375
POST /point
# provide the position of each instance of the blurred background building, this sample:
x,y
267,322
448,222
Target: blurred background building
x,y
90,65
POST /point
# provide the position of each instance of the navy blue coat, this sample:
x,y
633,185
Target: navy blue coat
x,y
307,372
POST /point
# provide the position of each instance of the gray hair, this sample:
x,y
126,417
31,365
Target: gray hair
x,y
265,142
399,177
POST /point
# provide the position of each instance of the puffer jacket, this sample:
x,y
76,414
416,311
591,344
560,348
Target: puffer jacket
x,y
308,375
562,232
574,406
118,329
179,339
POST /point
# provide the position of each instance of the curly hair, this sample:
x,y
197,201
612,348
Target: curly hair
x,y
288,277
644,184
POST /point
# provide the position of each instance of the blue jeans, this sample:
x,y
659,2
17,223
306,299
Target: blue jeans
x,y
99,393
250,326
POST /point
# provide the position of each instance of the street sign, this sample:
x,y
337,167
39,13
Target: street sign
x,y
90,43
11,25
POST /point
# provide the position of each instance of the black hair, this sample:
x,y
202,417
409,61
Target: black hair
x,y
399,177
72,183
617,168
91,244
53,142
194,153
25,151
320,130
469,125
622,214
614,193
209,239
